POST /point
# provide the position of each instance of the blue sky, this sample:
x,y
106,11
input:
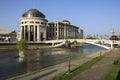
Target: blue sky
x,y
93,16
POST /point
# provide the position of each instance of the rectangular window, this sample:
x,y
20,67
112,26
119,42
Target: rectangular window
x,y
37,22
42,22
25,22
31,21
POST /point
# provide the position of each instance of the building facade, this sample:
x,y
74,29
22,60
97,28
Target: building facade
x,y
81,35
63,30
8,36
33,26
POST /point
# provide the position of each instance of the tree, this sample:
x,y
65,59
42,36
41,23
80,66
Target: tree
x,y
22,45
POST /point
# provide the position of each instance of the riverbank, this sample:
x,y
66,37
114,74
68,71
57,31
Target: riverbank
x,y
7,47
47,73
14,47
100,69
78,70
114,72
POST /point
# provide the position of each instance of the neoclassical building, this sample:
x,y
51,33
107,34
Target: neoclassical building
x,y
63,30
33,26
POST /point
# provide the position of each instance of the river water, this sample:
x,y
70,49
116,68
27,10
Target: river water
x,y
38,59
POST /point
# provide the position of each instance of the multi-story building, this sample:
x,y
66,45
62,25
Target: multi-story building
x,y
33,26
119,36
7,36
80,35
63,30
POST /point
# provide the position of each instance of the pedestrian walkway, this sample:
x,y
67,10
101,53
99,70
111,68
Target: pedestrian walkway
x,y
100,69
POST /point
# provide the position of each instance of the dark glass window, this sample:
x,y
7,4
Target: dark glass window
x,y
31,21
42,22
37,22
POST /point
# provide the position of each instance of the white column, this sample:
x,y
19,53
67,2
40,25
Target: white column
x,y
38,33
52,44
111,45
28,33
67,32
57,31
24,32
64,32
45,34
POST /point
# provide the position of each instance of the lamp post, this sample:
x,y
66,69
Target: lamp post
x,y
68,45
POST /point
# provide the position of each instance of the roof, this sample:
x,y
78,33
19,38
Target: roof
x,y
66,21
33,13
4,31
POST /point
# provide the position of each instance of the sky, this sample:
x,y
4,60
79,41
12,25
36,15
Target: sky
x,y
95,17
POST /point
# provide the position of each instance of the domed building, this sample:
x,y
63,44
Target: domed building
x,y
33,26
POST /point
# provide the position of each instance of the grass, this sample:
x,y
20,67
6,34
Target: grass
x,y
113,73
78,70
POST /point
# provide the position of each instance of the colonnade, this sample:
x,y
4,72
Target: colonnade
x,y
31,33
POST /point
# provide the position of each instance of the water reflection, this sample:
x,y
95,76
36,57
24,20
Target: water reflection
x,y
21,56
38,59
41,58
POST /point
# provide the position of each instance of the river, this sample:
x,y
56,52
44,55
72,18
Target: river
x,y
38,59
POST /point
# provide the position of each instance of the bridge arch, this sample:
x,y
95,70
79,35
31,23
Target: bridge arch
x,y
103,46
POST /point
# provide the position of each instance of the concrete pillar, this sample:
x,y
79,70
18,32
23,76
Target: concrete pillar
x,y
45,34
28,33
57,31
67,32
111,45
24,32
65,35
38,33
52,43
21,32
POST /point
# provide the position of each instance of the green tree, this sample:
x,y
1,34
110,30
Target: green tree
x,y
22,45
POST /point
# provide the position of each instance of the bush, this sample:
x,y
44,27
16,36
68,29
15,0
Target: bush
x,y
22,45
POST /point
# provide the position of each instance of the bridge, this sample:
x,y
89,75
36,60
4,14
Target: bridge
x,y
57,43
98,42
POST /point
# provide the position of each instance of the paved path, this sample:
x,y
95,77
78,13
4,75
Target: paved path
x,y
100,69
47,73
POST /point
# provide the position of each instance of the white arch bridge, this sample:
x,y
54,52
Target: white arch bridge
x,y
97,42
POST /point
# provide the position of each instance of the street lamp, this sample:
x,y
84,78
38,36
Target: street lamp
x,y
68,45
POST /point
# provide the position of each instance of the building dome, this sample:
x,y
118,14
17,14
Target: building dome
x,y
33,13
66,21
